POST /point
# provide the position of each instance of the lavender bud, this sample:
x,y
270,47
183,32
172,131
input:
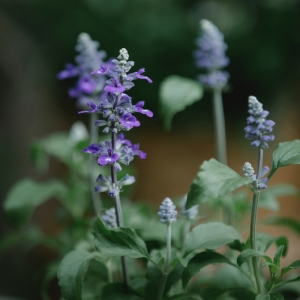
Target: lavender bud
x,y
210,56
258,127
248,170
167,212
109,218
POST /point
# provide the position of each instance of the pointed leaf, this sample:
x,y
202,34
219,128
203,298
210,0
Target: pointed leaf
x,y
268,199
292,266
185,297
122,241
214,180
237,293
288,222
249,253
276,296
287,153
71,273
25,196
210,236
263,297
155,275
200,261
115,291
176,93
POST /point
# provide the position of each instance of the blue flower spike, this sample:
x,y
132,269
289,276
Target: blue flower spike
x,y
167,212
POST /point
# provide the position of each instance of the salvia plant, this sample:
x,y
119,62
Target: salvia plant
x,y
130,251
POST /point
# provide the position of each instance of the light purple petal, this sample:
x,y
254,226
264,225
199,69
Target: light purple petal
x,y
90,104
93,149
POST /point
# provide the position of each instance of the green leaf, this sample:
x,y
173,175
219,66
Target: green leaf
x,y
75,198
288,222
276,296
287,153
25,196
122,241
278,254
210,236
71,273
288,281
268,199
249,253
175,94
237,293
214,180
115,291
96,277
200,261
185,297
155,275
292,266
263,297
264,242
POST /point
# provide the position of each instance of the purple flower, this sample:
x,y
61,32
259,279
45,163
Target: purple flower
x,y
214,79
258,128
92,105
70,71
114,86
139,108
137,75
88,87
128,121
210,56
108,157
138,152
124,152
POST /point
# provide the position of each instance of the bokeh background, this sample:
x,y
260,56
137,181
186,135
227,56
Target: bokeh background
x,y
38,38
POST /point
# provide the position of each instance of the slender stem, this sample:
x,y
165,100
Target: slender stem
x,y
219,120
167,264
93,138
253,222
119,215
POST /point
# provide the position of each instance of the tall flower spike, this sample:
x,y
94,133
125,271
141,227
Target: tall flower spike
x,y
167,212
211,57
258,128
88,59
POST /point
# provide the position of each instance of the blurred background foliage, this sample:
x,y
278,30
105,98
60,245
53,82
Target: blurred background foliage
x,y
38,38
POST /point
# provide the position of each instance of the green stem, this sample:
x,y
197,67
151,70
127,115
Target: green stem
x,y
167,264
93,139
119,215
253,223
219,120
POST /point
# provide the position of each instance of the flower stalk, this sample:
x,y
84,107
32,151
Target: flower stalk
x,y
117,110
167,215
97,203
210,57
219,121
257,130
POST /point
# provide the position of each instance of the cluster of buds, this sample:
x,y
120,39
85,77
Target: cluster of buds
x,y
210,56
167,212
258,128
88,87
259,182
109,218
